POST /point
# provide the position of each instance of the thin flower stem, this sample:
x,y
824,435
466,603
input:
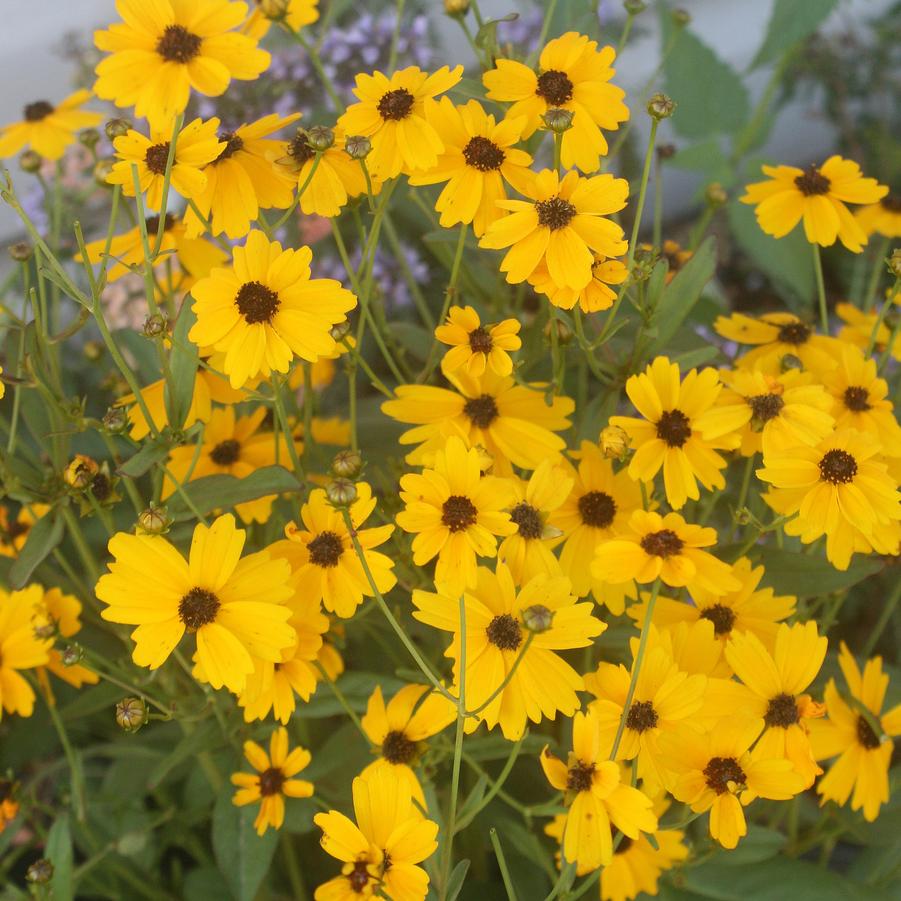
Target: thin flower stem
x,y
320,69
745,484
502,864
507,678
546,24
821,287
377,383
496,785
869,297
885,617
164,199
449,294
96,659
84,550
297,197
279,404
893,337
342,700
395,37
627,30
558,152
75,772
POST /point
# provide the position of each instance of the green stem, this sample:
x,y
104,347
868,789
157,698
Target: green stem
x,y
502,864
872,288
821,288
496,785
78,792
395,37
320,70
342,700
81,545
885,616
507,678
279,403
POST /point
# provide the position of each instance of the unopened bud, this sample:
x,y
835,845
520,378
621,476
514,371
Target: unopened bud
x,y
790,361
155,326
341,492
117,128
538,618
89,138
564,332
666,151
347,464
456,7
274,9
614,441
558,120
340,331
131,714
93,350
21,251
115,420
72,654
320,137
102,171
357,147
716,194
80,472
894,262
634,7
31,161
681,17
660,107
742,516
40,872
154,520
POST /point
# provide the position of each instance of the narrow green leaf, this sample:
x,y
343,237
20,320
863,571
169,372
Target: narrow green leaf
x,y
193,742
486,36
44,536
59,852
154,451
455,882
809,575
791,21
183,366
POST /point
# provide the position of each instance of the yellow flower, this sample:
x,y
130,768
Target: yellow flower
x,y
265,309
381,851
513,423
837,489
61,613
475,347
48,129
573,75
399,729
478,158
818,195
858,330
666,547
681,431
195,145
14,530
597,295
20,648
160,52
883,218
498,624
235,606
391,113
294,13
273,780
596,797
9,806
674,255
562,226
243,179
455,513
864,755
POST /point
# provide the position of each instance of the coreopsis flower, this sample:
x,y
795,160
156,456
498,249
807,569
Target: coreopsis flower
x,y
196,145
391,113
48,129
598,507
158,54
234,606
595,796
652,546
9,806
475,347
295,14
54,612
859,328
265,309
782,409
273,780
682,429
562,225
882,218
864,753
243,179
527,552
573,74
715,771
597,295
20,649
818,195
380,852
234,446
398,730
477,160
776,682
512,422
14,530
838,489
455,513
674,254
498,620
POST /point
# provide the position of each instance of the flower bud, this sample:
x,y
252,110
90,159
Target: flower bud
x,y
274,9
72,654
340,330
538,618
131,714
564,332
102,171
790,361
80,472
20,251
341,492
660,106
40,872
93,350
115,420
742,516
558,120
320,137
894,262
154,520
715,194
681,17
357,147
634,7
89,138
666,151
347,464
155,326
614,441
117,128
31,161
456,7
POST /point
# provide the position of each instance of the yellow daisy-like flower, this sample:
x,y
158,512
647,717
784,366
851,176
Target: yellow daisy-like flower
x,y
475,347
478,158
295,14
498,622
562,226
195,145
48,129
9,806
158,53
391,113
652,546
273,780
859,326
883,218
597,295
455,513
596,796
379,852
14,530
819,196
837,489
265,309
514,424
682,430
864,753
574,75
60,613
235,606
399,729
243,179
20,648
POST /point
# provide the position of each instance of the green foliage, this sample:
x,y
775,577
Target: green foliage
x,y
791,22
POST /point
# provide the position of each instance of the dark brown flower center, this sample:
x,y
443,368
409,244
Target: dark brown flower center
x,y
197,608
642,716
554,213
257,303
233,143
838,467
857,398
664,543
359,876
555,87
865,734
397,748
101,487
597,509
156,157
458,513
299,149
891,202
504,632
812,182
528,520
178,45
722,617
782,711
153,223
579,777
482,154
481,410
13,531
271,781
794,333
35,112
480,341
765,407
325,549
720,771
226,452
674,428
396,105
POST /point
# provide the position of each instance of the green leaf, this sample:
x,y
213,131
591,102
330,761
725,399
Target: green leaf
x,y
709,95
707,158
242,855
758,845
808,575
154,451
188,747
791,21
486,36
223,491
455,882
44,536
183,366
59,852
